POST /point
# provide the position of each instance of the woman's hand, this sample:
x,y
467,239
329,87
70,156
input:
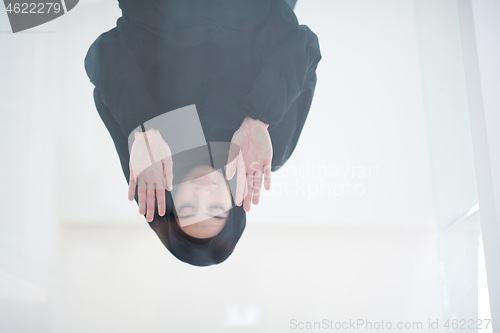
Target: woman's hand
x,y
151,170
256,154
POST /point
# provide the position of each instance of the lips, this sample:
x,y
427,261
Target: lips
x,y
205,180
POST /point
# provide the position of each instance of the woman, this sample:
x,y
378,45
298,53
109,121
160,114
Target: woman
x,y
247,66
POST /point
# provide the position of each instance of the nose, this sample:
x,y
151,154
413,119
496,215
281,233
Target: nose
x,y
202,190
201,194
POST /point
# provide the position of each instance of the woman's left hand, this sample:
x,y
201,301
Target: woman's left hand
x,y
256,151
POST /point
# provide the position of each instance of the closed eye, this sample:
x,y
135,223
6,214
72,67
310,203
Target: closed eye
x,y
186,208
215,211
218,212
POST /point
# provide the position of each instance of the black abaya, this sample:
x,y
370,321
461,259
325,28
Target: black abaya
x,y
231,59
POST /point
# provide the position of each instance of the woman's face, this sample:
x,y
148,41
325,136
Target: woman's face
x,y
202,202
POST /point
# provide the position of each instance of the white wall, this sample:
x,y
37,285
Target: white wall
x,y
28,100
446,110
479,24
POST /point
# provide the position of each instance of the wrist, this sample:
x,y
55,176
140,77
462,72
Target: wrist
x,y
254,122
150,133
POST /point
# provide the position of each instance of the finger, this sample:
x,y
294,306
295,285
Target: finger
x,y
150,202
230,170
169,172
160,197
257,187
247,203
164,173
232,159
267,176
241,184
141,190
131,186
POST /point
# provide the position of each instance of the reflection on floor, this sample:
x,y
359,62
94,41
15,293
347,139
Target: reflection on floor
x,y
121,279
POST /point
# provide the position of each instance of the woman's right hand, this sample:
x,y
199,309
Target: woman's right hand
x,y
151,170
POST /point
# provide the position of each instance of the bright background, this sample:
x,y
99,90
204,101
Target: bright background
x,y
389,123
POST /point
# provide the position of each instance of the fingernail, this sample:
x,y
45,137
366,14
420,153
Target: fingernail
x,y
148,216
141,207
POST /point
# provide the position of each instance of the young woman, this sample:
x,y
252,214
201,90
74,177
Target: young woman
x,y
247,67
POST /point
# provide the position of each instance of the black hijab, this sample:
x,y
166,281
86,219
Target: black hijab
x,y
195,251
192,250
